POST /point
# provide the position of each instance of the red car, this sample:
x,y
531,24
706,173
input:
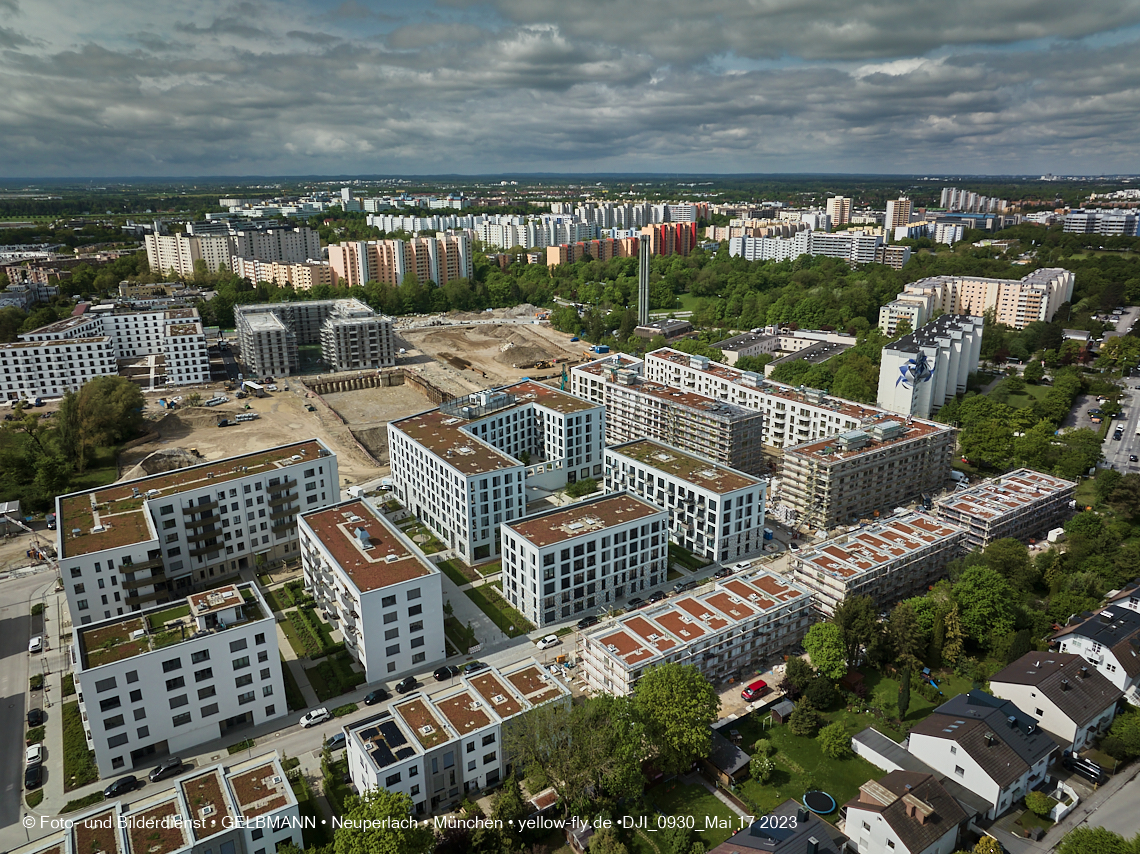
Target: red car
x,y
757,689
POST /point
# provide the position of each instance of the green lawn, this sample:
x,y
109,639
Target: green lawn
x,y
686,558
294,699
700,803
160,619
78,762
453,569
460,637
333,676
1032,393
883,692
490,568
509,621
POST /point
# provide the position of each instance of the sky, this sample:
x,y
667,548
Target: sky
x,y
108,88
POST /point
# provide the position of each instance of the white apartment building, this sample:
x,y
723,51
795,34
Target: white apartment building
x,y
727,628
1018,504
714,511
951,344
50,368
988,745
889,561
180,252
439,747
1109,640
460,468
747,344
301,276
1015,302
561,563
243,807
155,539
1109,222
949,232
856,247
373,585
172,677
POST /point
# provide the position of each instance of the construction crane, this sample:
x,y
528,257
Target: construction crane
x,y
44,551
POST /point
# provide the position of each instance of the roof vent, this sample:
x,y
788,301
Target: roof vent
x,y
1083,673
1064,684
427,729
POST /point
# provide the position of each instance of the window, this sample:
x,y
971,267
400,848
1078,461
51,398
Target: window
x,y
387,601
143,731
238,645
211,709
262,657
247,697
415,610
265,673
171,664
105,685
419,658
390,617
257,834
181,720
959,770
208,691
266,690
140,713
394,649
201,655
489,757
203,674
239,663
113,722
179,701
391,634
890,843
488,739
866,826
175,683
417,626
414,594
392,779
136,695
259,638
116,740
110,703
243,680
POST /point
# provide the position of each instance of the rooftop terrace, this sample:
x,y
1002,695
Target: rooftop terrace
x,y
692,469
581,519
425,726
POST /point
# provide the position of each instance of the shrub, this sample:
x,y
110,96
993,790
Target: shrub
x,y
35,735
69,684
761,768
37,609
346,709
805,720
36,682
1114,747
78,762
34,799
763,747
247,744
1039,803
582,487
82,803
835,742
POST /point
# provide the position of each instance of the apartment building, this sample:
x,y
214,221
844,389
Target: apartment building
x,y
439,747
561,563
588,380
439,259
897,215
957,199
892,256
217,247
859,473
472,464
747,344
175,676
1015,302
726,629
301,276
51,368
602,249
839,210
1020,504
856,247
243,807
951,344
155,539
1110,222
889,560
375,586
725,432
352,336
714,511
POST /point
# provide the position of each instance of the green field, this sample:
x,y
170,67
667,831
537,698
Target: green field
x,y
679,799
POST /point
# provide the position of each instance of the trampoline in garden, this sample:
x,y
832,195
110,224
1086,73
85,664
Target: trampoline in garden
x,y
820,803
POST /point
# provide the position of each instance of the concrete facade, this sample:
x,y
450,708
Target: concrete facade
x,y
951,345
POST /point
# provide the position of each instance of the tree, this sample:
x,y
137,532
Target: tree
x,y
761,768
798,673
824,643
373,826
904,693
988,845
907,639
1034,372
858,626
804,719
986,602
953,638
1039,803
510,808
1010,558
835,742
676,704
1095,840
606,841
105,411
821,692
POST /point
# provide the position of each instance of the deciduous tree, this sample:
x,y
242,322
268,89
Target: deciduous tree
x,y
676,704
374,826
824,643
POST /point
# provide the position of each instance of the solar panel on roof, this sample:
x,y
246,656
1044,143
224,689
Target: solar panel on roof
x,y
392,734
405,753
382,755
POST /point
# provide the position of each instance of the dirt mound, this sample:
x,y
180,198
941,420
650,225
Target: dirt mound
x,y
518,350
166,459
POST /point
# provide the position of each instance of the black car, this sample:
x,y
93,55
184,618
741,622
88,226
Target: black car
x,y
446,672
36,717
723,572
1132,458
406,684
586,622
168,768
337,741
121,787
34,777
656,596
374,697
635,603
475,666
682,586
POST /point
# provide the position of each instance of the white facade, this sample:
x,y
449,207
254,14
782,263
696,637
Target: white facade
x,y
154,539
458,468
376,587
180,252
1109,640
50,368
951,345
905,812
438,747
714,511
170,678
727,628
562,563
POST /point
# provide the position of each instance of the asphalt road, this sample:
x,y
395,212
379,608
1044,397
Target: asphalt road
x,y
1119,813
15,630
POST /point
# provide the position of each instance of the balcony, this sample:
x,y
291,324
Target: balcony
x,y
199,508
289,522
205,549
288,497
196,538
144,597
149,563
282,513
135,583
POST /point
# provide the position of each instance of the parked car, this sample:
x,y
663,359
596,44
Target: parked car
x,y
475,666
406,684
793,547
655,596
316,716
548,641
634,603
121,787
744,564
36,717
36,644
442,674
168,768
379,695
586,622
337,741
1132,458
723,572
34,755
755,690
682,586
34,777
1086,768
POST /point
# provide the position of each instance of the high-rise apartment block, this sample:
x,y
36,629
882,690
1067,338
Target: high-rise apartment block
x,y
180,252
955,199
897,215
460,468
170,678
855,474
726,629
375,586
951,346
352,336
1111,222
1019,504
1015,302
890,560
157,538
301,276
839,210
439,259
714,511
856,247
566,561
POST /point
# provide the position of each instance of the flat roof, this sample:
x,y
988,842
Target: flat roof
x,y
578,520
209,807
98,833
690,468
739,342
999,496
425,726
464,711
534,684
500,698
827,451
386,561
711,406
157,829
121,512
614,361
383,738
259,790
857,552
54,342
65,325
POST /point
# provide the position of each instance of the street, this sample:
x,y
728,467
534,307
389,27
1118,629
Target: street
x,y
1119,813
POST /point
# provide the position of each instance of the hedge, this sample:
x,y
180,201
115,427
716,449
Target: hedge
x,y
79,767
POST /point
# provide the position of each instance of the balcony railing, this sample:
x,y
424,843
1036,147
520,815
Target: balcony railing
x,y
199,508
